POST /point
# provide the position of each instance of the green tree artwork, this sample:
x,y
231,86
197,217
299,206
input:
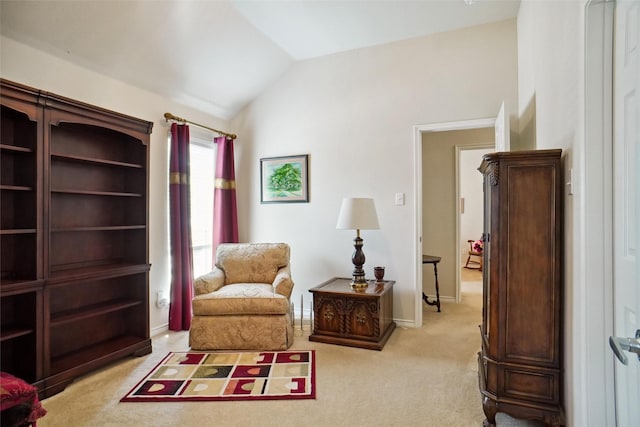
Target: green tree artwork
x,y
285,180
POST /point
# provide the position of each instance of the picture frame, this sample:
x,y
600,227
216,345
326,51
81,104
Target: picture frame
x,y
284,179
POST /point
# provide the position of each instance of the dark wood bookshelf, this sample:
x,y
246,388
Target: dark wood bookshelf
x,y
15,187
104,228
91,311
94,353
107,270
96,193
19,231
96,161
74,220
9,332
15,148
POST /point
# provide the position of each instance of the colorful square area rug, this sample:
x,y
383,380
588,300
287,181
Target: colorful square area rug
x,y
201,376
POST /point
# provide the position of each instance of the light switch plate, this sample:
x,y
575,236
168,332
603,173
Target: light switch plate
x,y
570,183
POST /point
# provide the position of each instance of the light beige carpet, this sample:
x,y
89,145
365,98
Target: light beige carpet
x,y
423,377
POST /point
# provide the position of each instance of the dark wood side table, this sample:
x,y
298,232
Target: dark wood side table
x,y
430,259
356,318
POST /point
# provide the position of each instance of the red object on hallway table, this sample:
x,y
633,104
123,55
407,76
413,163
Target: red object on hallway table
x,y
19,400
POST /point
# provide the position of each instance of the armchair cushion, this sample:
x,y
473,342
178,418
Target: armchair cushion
x,y
241,298
265,261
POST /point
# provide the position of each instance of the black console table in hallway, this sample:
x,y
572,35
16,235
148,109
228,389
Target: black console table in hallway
x,y
430,259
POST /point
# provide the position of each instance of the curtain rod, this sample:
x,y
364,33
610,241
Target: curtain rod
x,y
169,116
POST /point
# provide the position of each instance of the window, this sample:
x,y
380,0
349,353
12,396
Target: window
x,y
202,179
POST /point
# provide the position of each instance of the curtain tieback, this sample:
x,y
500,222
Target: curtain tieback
x,y
225,184
178,178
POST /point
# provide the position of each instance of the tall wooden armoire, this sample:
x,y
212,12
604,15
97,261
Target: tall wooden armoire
x,y
520,366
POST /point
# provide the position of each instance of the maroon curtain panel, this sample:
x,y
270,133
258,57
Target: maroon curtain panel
x,y
225,212
181,255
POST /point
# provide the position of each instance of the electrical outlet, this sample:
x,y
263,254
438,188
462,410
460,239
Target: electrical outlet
x,y
161,300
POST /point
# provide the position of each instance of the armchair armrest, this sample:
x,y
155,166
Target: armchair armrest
x,y
209,282
283,284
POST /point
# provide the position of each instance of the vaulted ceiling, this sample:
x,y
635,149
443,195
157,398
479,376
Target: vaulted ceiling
x,y
217,56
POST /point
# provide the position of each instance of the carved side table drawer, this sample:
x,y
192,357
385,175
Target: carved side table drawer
x,y
356,318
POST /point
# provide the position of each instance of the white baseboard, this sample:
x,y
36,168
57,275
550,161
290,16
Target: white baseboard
x,y
159,329
407,324
447,299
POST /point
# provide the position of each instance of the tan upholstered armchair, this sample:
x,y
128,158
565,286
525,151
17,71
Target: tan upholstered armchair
x,y
243,304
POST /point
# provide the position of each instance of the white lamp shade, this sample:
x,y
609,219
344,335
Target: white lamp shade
x,y
358,214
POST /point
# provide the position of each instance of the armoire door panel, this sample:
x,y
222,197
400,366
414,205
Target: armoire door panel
x,y
532,385
530,283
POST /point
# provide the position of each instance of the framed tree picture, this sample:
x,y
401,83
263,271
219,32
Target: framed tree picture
x,y
284,179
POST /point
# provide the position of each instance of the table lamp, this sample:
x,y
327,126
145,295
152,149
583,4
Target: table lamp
x,y
358,214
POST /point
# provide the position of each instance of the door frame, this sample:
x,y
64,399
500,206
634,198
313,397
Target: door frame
x,y
418,130
592,317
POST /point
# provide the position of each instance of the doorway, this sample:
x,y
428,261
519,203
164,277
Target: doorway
x,y
428,177
470,213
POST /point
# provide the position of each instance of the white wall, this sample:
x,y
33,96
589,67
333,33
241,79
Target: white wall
x,y
31,67
354,114
551,86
